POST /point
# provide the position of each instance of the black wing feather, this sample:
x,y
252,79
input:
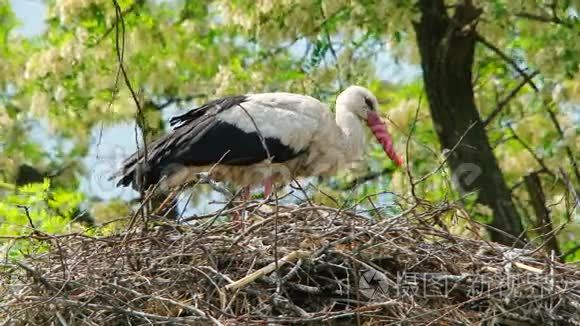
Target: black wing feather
x,y
200,138
213,107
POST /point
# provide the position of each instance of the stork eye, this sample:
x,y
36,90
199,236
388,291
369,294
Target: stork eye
x,y
369,103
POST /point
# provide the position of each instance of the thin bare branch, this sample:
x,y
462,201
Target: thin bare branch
x,y
120,51
503,103
569,151
543,19
447,154
531,151
527,77
407,159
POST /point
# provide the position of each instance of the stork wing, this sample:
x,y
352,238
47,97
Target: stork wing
x,y
211,134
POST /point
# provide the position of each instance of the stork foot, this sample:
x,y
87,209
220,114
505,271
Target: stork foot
x,y
239,220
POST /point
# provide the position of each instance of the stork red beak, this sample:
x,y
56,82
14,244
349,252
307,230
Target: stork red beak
x,y
380,131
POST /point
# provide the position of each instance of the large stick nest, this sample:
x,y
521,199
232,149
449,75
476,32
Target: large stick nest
x,y
289,264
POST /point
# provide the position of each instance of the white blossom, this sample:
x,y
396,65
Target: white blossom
x,y
5,120
59,93
39,103
68,9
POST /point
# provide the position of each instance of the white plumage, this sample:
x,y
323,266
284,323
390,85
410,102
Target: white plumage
x,y
292,118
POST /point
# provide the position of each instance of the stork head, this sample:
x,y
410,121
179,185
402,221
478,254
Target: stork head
x,y
364,104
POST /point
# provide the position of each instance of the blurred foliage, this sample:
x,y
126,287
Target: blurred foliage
x,y
36,207
186,52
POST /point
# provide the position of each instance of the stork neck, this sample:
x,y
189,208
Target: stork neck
x,y
353,133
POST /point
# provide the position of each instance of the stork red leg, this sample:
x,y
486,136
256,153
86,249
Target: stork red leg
x,y
267,187
238,217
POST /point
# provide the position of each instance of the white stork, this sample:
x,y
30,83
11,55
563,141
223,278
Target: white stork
x,y
266,138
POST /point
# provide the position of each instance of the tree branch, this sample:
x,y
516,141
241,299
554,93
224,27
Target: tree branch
x,y
531,151
132,8
470,28
120,51
177,99
573,191
544,19
506,58
407,165
331,48
503,103
446,154
569,152
543,220
27,212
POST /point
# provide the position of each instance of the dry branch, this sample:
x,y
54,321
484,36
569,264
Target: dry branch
x,y
291,257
